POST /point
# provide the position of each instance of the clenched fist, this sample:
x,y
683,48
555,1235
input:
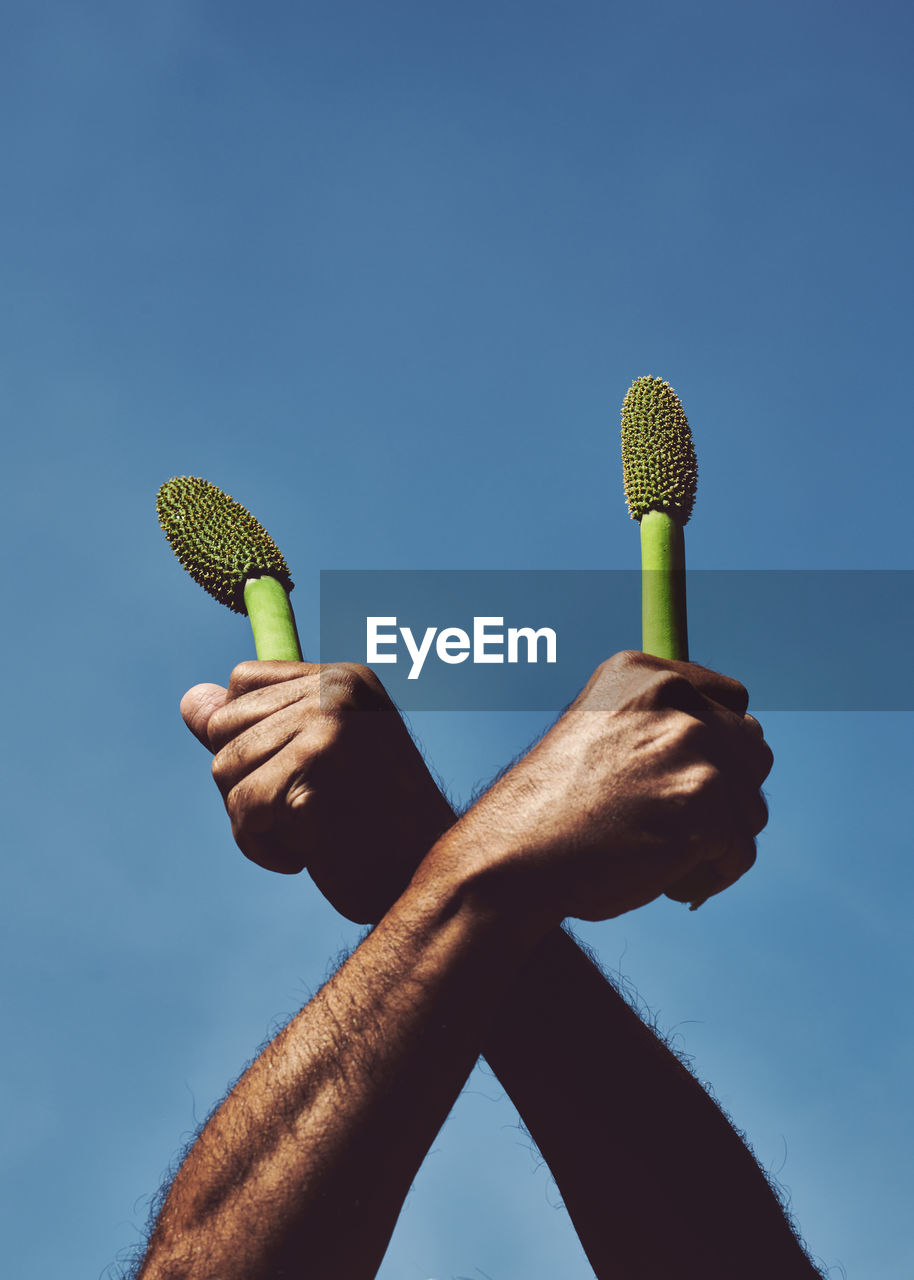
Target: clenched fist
x,y
653,772
318,770
648,784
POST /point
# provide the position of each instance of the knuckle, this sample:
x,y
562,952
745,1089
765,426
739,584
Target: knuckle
x,y
230,760
666,688
610,670
336,685
622,661
220,770
251,675
236,804
347,686
246,675
220,726
259,850
721,688
702,781
249,809
360,673
696,791
622,675
630,663
733,695
298,794
694,737
366,689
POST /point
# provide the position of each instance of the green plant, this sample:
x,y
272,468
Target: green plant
x,y
231,556
660,474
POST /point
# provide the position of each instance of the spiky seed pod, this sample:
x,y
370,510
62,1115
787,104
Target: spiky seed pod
x,y
659,467
217,540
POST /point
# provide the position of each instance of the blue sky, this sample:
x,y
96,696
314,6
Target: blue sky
x,y
385,272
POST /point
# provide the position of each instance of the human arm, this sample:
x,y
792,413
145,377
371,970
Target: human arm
x,y
564,1043
652,1173
655,1179
304,1167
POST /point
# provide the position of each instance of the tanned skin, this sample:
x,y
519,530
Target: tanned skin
x,y
303,1170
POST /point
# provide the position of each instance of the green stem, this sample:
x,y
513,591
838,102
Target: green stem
x,y
272,620
664,632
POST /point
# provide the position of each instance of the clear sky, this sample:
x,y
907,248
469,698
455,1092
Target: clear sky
x,y
385,272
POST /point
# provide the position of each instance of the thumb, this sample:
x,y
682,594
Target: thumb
x,y
198,704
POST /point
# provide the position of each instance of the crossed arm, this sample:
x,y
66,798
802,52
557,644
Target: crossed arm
x,y
304,1168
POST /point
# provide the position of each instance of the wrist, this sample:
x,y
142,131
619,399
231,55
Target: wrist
x,y
467,869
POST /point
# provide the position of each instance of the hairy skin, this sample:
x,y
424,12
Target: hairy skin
x,y
304,1168
654,1177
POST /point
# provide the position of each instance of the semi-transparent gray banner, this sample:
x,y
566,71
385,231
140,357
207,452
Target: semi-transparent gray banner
x,y
528,640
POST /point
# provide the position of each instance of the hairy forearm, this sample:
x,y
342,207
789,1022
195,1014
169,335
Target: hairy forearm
x,y
304,1168
649,1169
652,1174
